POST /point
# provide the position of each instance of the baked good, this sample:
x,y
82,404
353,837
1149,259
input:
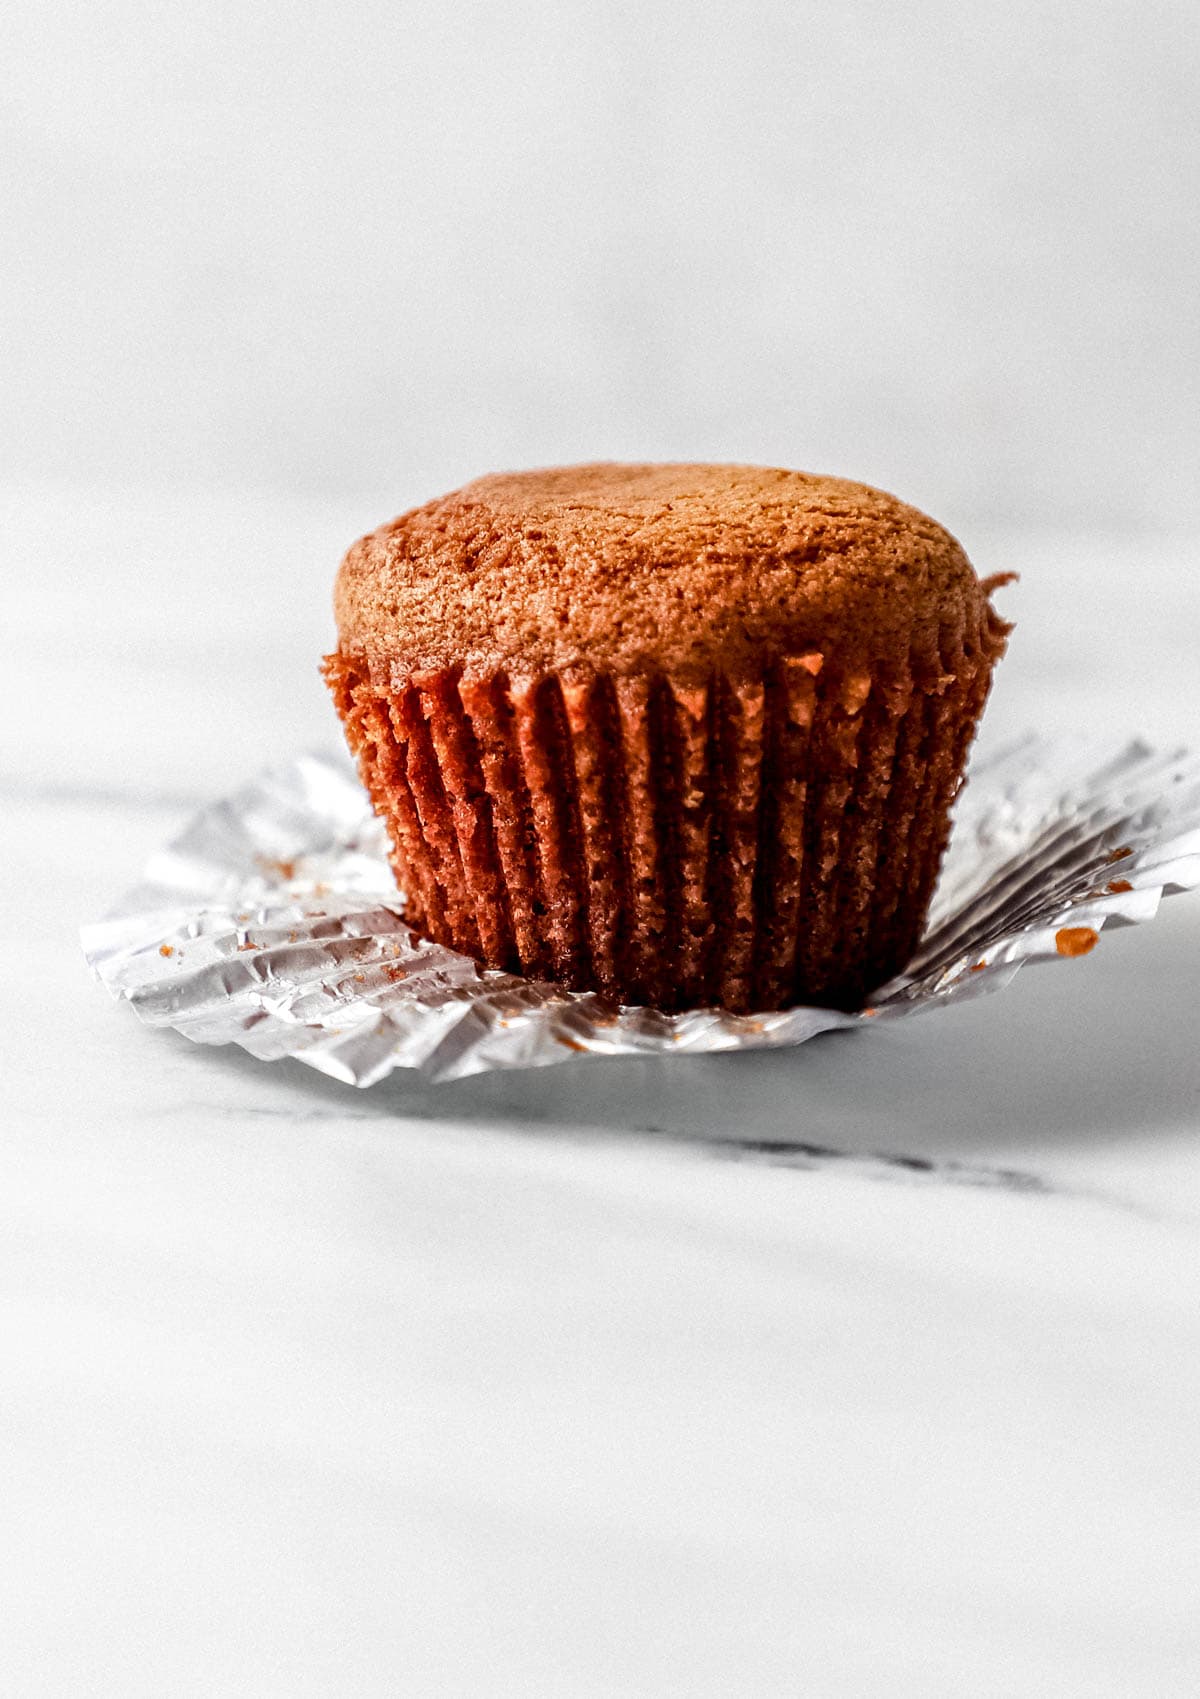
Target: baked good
x,y
685,735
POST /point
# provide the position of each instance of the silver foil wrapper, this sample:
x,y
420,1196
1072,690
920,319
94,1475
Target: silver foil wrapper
x,y
272,921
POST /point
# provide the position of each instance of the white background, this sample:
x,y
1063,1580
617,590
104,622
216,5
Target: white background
x,y
948,248
574,1384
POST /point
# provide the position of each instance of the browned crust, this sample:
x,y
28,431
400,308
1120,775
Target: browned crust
x,y
684,570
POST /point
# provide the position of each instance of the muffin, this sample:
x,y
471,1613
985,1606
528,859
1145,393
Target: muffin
x,y
684,735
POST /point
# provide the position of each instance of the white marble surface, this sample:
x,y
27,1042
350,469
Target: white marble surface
x,y
866,1369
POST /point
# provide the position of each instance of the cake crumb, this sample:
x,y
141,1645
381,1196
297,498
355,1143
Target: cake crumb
x,y
279,868
1075,940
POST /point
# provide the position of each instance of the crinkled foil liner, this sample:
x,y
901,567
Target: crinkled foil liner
x,y
272,922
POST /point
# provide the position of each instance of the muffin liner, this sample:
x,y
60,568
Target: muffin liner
x,y
675,840
273,921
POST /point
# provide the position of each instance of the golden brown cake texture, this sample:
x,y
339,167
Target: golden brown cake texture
x,y
682,734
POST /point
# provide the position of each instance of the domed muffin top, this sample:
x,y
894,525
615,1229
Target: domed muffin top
x,y
624,567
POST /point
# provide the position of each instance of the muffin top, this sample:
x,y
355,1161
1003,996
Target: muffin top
x,y
625,567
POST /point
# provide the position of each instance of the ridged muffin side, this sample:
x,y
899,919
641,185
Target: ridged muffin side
x,y
751,838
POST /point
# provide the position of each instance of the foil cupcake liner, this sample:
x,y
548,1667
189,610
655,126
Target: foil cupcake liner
x,y
747,841
272,921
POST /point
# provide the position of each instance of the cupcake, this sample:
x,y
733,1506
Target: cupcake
x,y
684,735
